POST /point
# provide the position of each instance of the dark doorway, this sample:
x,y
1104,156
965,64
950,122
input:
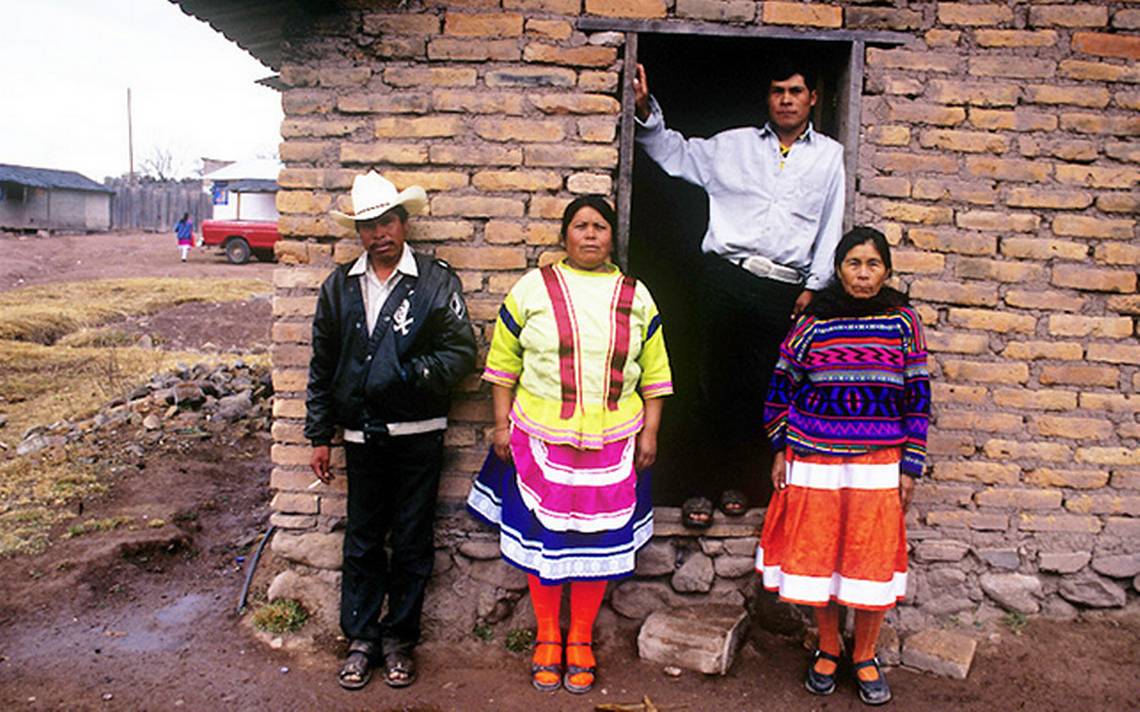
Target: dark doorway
x,y
705,84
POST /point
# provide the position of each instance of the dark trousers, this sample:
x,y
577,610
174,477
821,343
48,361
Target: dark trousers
x,y
392,487
744,319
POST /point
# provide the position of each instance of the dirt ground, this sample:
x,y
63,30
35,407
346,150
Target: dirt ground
x,y
145,619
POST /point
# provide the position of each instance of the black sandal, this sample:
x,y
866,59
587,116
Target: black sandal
x,y
355,671
875,692
693,508
555,668
572,670
816,682
733,503
399,669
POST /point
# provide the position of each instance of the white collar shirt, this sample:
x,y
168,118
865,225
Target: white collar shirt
x,y
374,290
788,209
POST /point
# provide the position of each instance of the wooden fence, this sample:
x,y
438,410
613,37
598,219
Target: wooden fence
x,y
156,207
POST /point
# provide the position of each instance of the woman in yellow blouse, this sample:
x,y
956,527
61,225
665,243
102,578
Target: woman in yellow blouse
x,y
578,367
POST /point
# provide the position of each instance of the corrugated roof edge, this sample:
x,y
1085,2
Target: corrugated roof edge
x,y
49,178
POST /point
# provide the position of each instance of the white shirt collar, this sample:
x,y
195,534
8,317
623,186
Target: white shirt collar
x,y
806,136
407,264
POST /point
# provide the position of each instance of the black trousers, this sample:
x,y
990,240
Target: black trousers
x,y
392,489
744,319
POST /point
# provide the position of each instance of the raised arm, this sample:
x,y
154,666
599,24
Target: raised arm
x,y
692,160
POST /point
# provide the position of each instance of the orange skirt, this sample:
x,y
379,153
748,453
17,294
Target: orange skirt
x,y
836,532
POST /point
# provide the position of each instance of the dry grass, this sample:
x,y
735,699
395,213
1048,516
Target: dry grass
x,y
44,313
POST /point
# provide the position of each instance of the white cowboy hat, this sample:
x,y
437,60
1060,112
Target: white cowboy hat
x,y
373,195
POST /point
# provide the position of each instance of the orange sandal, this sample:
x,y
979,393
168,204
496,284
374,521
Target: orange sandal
x,y
552,668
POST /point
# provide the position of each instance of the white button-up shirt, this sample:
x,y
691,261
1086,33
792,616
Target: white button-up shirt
x,y
374,290
787,209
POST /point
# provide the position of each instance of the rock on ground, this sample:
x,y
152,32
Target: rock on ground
x,y
1014,592
702,638
941,652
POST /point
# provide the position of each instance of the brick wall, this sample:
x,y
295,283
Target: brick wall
x,y
999,153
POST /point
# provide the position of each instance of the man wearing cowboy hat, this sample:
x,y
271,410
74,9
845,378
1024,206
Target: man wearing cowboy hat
x,y
391,338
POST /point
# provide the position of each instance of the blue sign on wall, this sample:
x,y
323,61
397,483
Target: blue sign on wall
x,y
220,195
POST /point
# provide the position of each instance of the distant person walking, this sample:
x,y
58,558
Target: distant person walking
x,y
184,231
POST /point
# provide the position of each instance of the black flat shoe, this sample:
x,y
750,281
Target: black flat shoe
x,y
876,692
816,682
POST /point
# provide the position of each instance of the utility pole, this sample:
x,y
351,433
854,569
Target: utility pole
x,y
130,139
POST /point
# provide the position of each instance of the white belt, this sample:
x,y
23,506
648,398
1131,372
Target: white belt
x,y
764,267
414,427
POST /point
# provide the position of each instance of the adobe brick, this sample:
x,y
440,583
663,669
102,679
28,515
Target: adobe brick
x,y
1068,16
977,192
291,332
940,442
919,113
965,244
294,128
1054,200
298,75
302,201
1101,124
957,393
981,521
1129,152
371,103
1008,169
572,156
890,84
1098,177
529,181
993,220
1127,100
1036,248
1096,279
420,127
972,294
476,207
397,153
1110,327
597,129
1017,450
800,15
463,50
480,155
922,61
587,56
912,213
1099,71
1112,402
964,141
941,38
303,151
1044,300
1068,523
891,187
888,135
1126,19
1073,428
717,10
543,233
914,163
1104,504
574,103
1114,353
945,91
481,309
395,47
430,76
626,8
989,473
401,24
522,130
530,77
297,102
1016,120
585,183
975,268
957,13
286,479
1015,38
288,408
1071,479
501,232
496,24
430,181
1034,350
985,372
1066,149
549,29
986,422
545,206
1035,398
605,82
1076,375
1116,253
931,493
884,18
1012,67
282,431
290,252
1095,97
1109,456
344,76
989,320
483,257
913,261
474,102
558,7
1103,44
1125,305
1019,498
291,379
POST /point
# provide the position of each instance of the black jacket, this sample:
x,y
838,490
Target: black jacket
x,y
405,371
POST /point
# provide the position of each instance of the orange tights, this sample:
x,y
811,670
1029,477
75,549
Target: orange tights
x,y
585,601
867,624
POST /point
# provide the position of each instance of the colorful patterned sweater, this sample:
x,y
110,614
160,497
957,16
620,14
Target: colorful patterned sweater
x,y
848,386
583,348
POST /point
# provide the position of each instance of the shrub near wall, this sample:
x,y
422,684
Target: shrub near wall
x,y
998,152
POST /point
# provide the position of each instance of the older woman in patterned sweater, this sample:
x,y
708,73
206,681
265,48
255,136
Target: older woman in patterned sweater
x,y
847,414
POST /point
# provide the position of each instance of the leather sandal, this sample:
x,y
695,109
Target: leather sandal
x,y
697,513
554,668
875,692
399,669
572,670
355,671
733,503
816,682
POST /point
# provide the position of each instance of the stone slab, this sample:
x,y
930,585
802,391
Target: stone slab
x,y
1063,562
701,638
1117,565
667,522
941,652
696,575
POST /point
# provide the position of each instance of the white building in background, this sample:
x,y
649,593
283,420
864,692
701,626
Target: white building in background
x,y
245,190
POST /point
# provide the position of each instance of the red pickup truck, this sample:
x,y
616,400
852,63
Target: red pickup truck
x,y
241,238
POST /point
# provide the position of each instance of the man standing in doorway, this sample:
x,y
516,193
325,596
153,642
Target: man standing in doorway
x,y
776,198
391,338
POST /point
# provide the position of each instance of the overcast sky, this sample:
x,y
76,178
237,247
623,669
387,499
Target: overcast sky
x,y
68,63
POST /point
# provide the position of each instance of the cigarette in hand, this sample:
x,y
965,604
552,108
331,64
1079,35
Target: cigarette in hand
x,y
314,485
